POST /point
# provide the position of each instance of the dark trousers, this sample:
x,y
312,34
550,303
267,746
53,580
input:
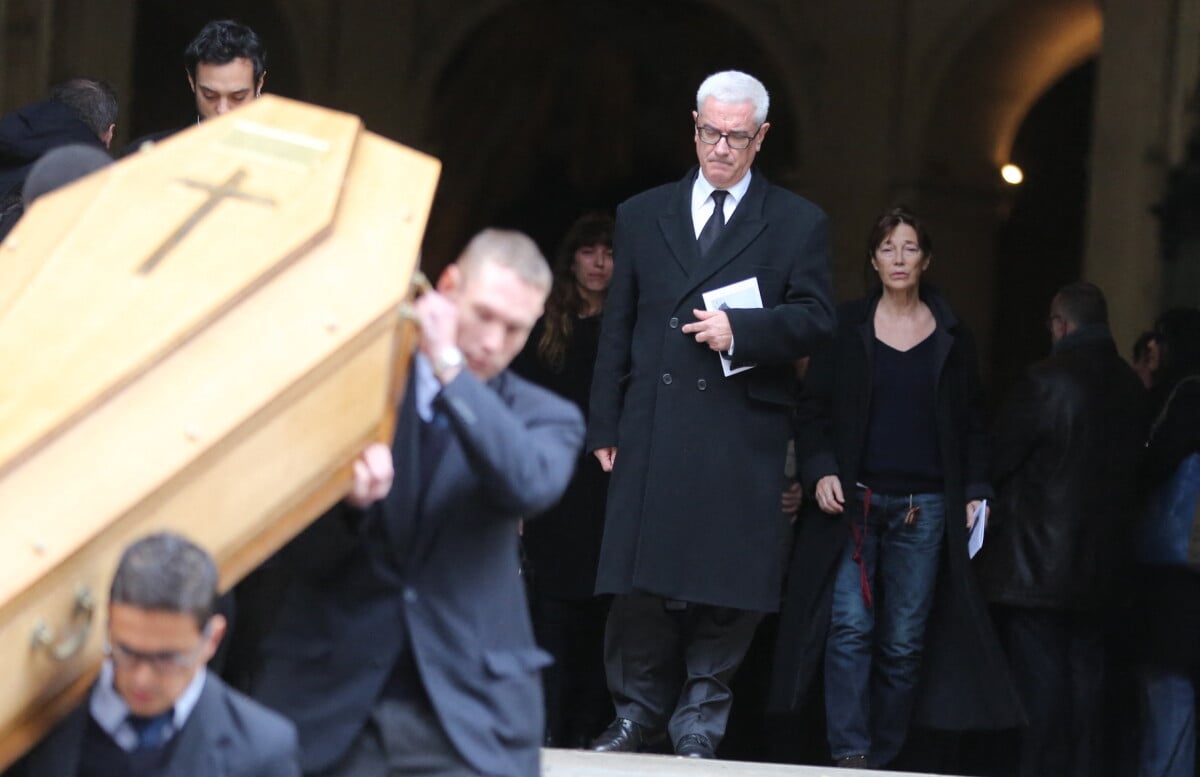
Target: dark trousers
x,y
1058,664
669,664
578,706
402,737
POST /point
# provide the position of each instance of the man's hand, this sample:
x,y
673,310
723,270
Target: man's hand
x,y
607,458
972,508
438,318
373,475
829,495
792,497
712,329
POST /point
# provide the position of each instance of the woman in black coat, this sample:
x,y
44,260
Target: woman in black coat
x,y
562,547
891,444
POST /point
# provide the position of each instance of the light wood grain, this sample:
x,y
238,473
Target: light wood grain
x,y
224,398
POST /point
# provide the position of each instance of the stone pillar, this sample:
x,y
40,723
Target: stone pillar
x,y
1147,53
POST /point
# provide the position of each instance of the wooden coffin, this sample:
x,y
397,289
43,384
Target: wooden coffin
x,y
201,337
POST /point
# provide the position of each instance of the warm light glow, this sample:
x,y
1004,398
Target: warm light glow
x,y
1012,174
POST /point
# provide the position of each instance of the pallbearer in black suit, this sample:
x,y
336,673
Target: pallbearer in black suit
x,y
155,711
693,536
404,644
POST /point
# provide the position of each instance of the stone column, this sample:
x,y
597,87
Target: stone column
x,y
1148,52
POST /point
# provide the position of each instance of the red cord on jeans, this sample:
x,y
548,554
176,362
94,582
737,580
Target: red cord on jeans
x,y
859,538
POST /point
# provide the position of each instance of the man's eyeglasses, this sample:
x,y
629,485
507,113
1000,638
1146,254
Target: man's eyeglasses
x,y
735,140
165,662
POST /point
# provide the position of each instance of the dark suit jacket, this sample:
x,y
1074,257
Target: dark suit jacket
x,y
433,567
693,507
227,735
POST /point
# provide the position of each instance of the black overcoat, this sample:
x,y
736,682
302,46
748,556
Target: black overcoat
x,y
693,506
964,677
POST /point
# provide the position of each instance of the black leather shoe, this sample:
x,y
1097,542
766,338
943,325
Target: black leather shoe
x,y
622,736
852,762
694,746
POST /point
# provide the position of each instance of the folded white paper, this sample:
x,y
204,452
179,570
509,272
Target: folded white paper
x,y
743,294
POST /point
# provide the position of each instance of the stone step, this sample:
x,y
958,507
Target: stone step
x,y
582,763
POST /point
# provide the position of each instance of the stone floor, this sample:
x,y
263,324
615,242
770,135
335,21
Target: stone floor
x,y
581,763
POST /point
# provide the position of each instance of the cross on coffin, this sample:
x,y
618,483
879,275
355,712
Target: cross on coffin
x,y
216,193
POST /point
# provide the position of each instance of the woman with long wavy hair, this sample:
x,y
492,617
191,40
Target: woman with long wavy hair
x,y
562,547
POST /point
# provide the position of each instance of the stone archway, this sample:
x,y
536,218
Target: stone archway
x,y
984,93
550,108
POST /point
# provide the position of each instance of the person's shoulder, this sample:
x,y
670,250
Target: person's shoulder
x,y
148,141
264,732
786,199
526,397
853,312
658,194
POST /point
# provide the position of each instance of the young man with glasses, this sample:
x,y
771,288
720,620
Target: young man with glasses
x,y
155,709
694,535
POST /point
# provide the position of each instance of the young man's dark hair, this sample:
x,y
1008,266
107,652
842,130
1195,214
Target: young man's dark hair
x,y
220,42
94,100
167,572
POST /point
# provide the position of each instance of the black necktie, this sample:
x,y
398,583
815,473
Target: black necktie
x,y
716,223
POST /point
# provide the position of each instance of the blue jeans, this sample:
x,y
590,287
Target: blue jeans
x,y
873,653
1168,707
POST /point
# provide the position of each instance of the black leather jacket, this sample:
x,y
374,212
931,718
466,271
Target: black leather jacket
x,y
1065,462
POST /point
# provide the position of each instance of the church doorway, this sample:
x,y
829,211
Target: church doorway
x,y
550,109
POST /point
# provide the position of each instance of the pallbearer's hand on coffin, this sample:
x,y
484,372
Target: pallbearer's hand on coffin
x,y
438,317
372,476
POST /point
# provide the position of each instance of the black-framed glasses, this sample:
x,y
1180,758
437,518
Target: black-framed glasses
x,y
162,663
735,140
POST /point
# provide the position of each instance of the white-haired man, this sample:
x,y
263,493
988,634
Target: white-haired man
x,y
694,533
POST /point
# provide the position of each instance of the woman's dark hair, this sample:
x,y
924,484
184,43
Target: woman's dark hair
x,y
565,303
1177,333
884,226
892,218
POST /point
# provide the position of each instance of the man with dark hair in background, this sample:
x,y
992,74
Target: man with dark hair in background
x,y
1067,446
95,102
226,66
81,110
155,709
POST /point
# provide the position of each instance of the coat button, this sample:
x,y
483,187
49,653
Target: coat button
x,y
674,322
702,384
667,378
410,595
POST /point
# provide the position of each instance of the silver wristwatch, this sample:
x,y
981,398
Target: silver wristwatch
x,y
447,358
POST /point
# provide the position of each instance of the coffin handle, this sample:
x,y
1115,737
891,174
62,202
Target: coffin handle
x,y
416,287
76,637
